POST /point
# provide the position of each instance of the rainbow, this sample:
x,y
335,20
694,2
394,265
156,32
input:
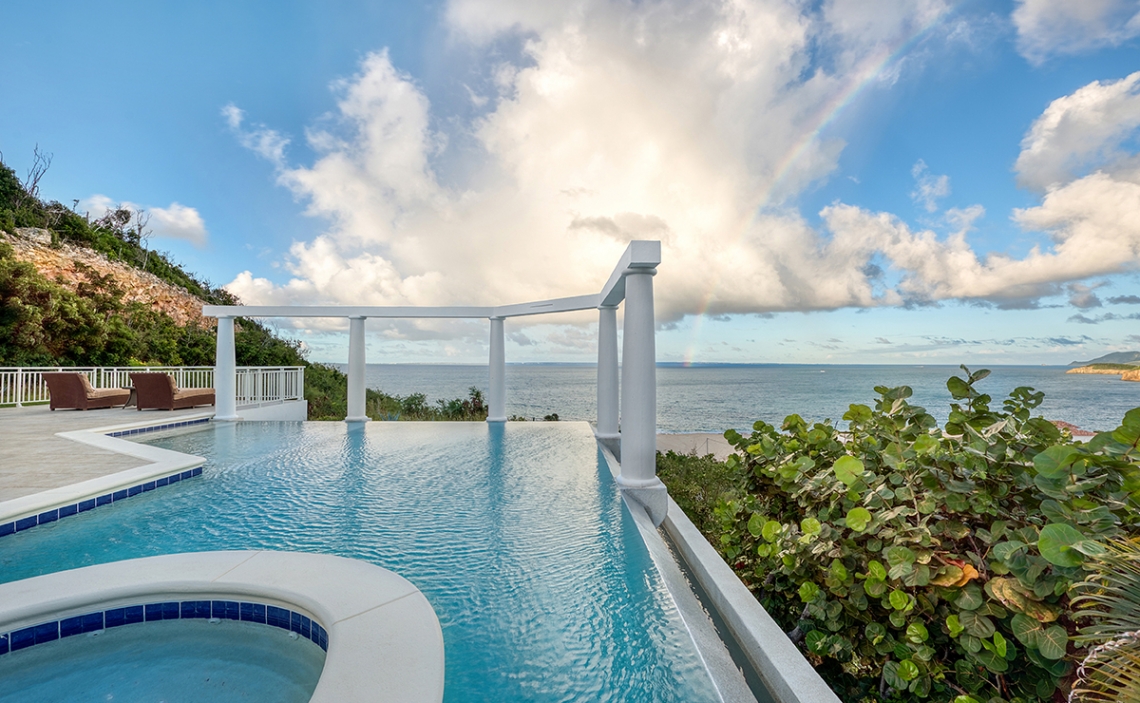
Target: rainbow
x,y
868,71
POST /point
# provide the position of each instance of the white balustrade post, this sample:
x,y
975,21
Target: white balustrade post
x,y
19,388
225,373
356,394
497,395
639,397
608,389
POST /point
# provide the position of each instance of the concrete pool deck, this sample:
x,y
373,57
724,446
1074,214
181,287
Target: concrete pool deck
x,y
34,459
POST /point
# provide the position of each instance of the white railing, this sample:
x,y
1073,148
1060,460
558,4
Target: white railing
x,y
257,385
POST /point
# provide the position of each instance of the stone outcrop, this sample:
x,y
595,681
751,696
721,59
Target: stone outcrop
x,y
1090,369
1130,375
61,264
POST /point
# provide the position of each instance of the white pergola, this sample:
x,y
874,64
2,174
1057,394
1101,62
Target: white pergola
x,y
635,394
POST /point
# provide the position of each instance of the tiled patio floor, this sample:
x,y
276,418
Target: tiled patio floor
x,y
34,459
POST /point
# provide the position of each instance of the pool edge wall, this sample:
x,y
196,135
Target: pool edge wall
x,y
787,676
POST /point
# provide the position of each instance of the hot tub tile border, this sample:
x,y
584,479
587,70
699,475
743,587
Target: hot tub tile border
x,y
98,620
11,528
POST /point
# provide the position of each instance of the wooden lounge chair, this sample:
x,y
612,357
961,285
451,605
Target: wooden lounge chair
x,y
73,390
158,390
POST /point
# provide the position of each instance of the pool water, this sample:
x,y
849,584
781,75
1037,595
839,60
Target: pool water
x,y
516,534
174,661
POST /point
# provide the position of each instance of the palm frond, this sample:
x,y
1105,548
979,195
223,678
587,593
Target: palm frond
x,y
1110,597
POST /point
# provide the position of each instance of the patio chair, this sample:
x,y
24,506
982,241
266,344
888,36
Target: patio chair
x,y
73,390
158,390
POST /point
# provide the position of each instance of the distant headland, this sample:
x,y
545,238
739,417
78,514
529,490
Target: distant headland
x,y
1123,364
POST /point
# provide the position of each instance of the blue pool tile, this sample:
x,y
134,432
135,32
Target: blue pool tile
x,y
23,638
48,516
171,610
162,481
134,491
148,486
103,500
197,471
187,474
295,622
3,644
26,523
195,609
324,643
85,505
175,478
135,614
153,611
47,632
277,616
115,617
68,510
306,627
119,495
71,626
91,622
258,613
7,528
227,610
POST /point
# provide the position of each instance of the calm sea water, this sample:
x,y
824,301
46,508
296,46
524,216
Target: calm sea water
x,y
716,398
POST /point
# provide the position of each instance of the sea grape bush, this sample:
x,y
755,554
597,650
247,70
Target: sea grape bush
x,y
912,562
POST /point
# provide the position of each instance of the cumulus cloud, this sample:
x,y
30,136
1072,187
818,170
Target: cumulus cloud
x,y
928,188
175,221
1048,27
689,122
1079,130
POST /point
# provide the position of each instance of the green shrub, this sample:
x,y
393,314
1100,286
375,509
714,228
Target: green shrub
x,y
698,484
911,562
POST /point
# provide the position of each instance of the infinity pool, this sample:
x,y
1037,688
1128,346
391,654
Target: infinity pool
x,y
517,535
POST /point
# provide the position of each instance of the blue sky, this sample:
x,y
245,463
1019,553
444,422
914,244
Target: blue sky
x,y
837,181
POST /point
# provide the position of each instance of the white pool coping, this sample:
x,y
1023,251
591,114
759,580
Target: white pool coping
x,y
384,639
163,463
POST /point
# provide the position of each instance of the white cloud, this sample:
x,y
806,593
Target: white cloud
x,y
928,188
1080,130
675,121
267,143
1048,27
176,221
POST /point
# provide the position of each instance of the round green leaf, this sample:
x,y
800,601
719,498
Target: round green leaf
x,y
899,600
908,670
815,640
876,571
858,519
1026,629
966,699
1056,544
954,625
847,469
771,531
1055,462
808,591
916,633
891,676
810,526
1053,642
976,624
755,524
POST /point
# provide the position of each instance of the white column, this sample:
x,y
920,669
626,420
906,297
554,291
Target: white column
x,y
638,478
225,373
607,373
356,394
497,395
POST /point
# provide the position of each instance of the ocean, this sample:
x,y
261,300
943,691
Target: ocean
x,y
713,398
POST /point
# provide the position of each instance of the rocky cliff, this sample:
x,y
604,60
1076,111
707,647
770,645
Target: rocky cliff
x,y
61,262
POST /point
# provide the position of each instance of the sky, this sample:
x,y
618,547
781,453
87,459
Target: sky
x,y
833,181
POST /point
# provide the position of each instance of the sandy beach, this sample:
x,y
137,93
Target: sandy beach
x,y
700,443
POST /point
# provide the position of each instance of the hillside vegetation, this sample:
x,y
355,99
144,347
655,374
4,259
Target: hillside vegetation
x,y
89,311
